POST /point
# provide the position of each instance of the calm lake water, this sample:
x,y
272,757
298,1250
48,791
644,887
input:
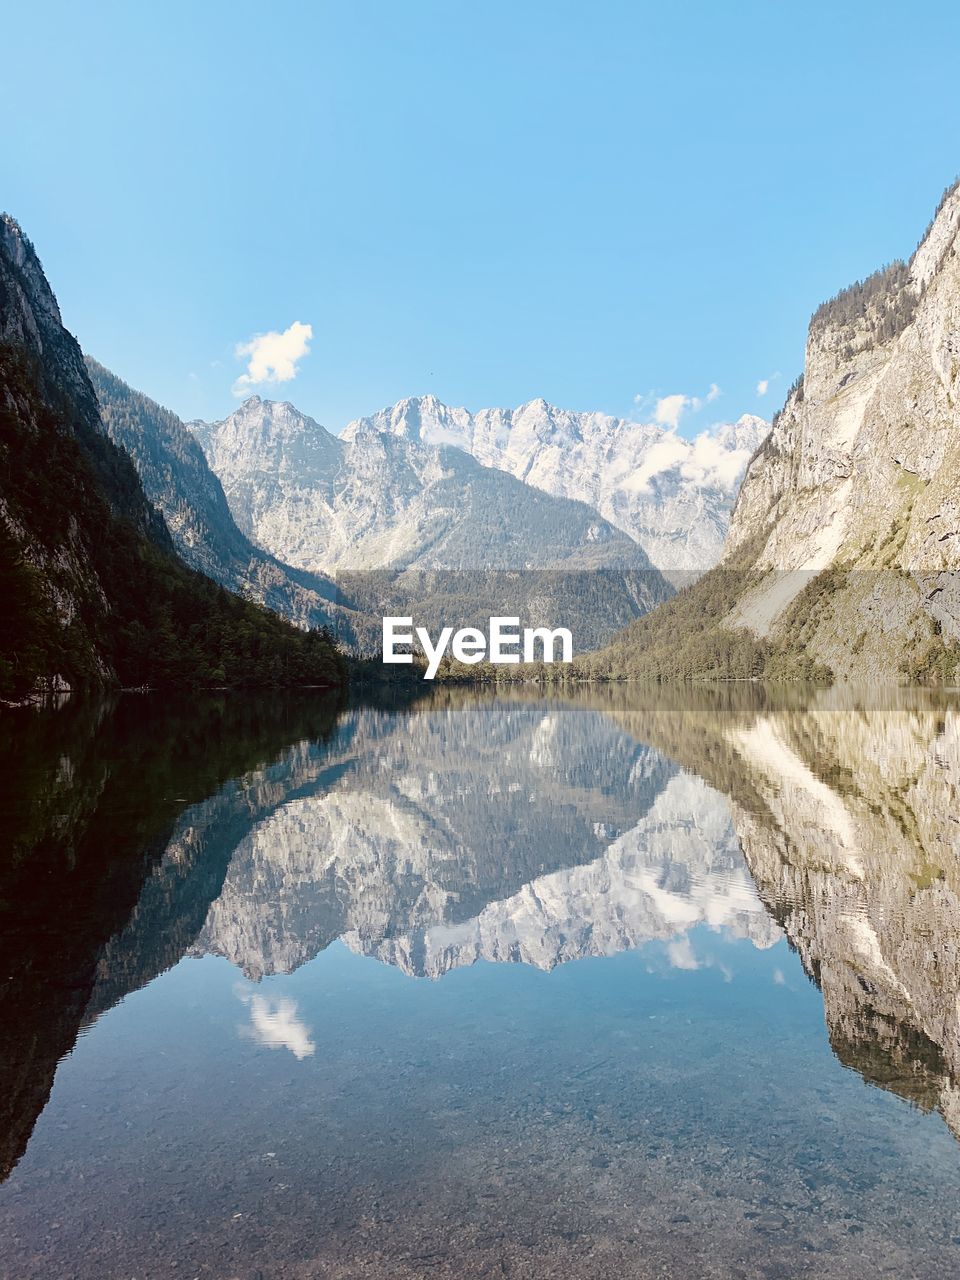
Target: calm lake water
x,y
626,984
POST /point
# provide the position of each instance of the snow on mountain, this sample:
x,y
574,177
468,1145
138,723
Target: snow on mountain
x,y
398,506
673,496
379,501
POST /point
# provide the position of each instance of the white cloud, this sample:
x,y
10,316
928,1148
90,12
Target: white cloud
x,y
706,460
712,462
272,357
669,408
763,386
274,1023
681,956
663,456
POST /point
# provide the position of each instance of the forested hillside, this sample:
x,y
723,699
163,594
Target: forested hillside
x,y
94,593
177,478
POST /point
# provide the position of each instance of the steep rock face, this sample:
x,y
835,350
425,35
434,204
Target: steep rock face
x,y
61,478
671,495
859,472
178,480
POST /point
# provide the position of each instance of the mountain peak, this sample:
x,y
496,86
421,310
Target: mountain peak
x,y
942,232
20,253
671,495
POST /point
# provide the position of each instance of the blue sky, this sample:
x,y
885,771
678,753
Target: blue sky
x,y
592,202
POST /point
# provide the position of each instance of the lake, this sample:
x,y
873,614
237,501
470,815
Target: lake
x,y
622,983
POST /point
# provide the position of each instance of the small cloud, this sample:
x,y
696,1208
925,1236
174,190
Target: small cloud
x,y
778,978
669,408
763,386
680,955
272,357
274,1023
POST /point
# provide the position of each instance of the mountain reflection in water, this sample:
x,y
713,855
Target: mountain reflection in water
x,y
680,825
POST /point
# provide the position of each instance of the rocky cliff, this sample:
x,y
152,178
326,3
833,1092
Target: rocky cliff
x,y
859,475
843,552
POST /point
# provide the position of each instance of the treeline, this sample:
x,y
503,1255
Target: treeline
x,y
882,305
683,639
795,393
947,193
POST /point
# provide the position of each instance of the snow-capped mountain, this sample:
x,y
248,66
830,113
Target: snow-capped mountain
x,y
378,501
382,502
673,496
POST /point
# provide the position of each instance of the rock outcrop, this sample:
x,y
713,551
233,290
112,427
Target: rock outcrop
x,y
94,593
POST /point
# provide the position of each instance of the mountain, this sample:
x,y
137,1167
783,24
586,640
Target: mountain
x,y
375,501
93,590
860,473
671,495
378,502
844,544
177,479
